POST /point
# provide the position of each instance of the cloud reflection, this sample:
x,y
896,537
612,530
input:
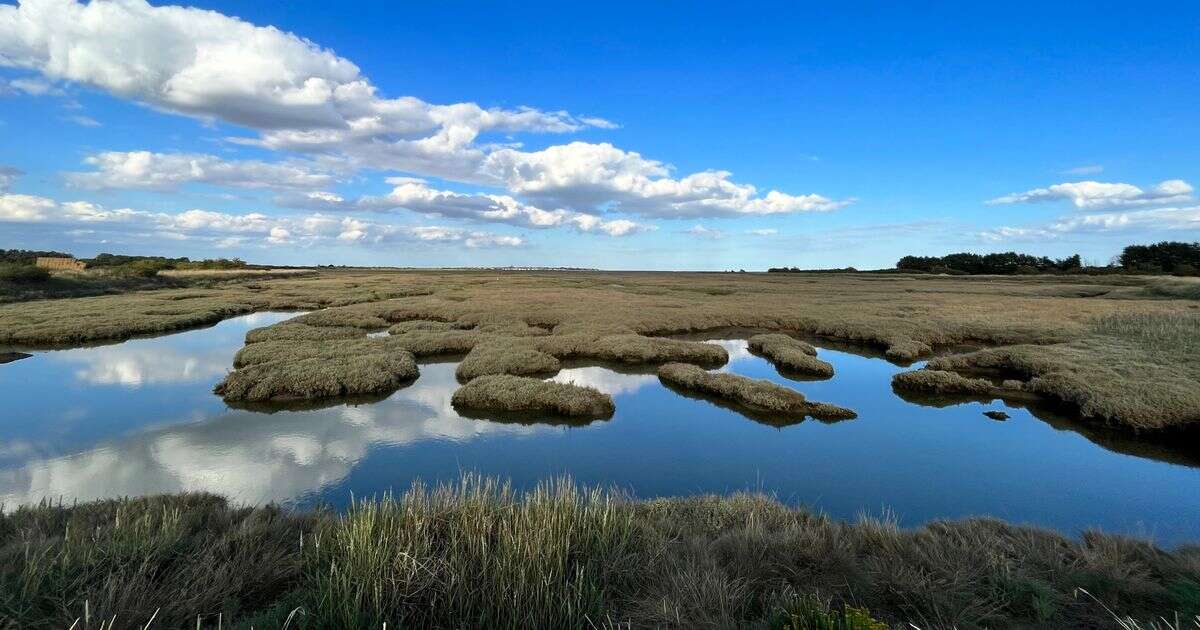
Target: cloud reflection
x,y
252,457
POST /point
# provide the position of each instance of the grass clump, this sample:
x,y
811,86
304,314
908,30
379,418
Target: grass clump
x,y
477,553
319,377
505,357
790,355
940,382
506,393
753,394
293,331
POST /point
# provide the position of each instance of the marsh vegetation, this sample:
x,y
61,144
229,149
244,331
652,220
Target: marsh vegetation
x,y
1120,349
560,556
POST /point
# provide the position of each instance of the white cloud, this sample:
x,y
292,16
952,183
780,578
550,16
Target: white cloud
x,y
1089,169
763,232
208,65
1153,220
8,175
30,86
83,121
168,171
228,229
296,96
1091,195
582,175
416,195
704,232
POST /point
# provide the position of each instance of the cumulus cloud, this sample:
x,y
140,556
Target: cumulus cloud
x,y
168,171
1152,220
225,229
209,65
1092,195
584,175
299,97
416,195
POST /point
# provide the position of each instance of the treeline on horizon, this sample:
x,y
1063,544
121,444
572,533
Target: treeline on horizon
x,y
18,265
1170,257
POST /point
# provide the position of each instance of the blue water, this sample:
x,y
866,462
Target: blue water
x,y
139,418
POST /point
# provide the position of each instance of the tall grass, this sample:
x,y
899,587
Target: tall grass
x,y
478,553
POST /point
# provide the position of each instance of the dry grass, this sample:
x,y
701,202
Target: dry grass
x,y
1136,370
506,393
939,382
479,554
1048,324
756,395
505,356
319,377
790,355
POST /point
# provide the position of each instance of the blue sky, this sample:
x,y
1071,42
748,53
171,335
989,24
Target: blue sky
x,y
665,136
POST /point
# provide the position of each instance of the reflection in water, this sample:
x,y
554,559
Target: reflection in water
x,y
252,457
139,417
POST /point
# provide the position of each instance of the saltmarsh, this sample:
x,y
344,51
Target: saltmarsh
x,y
477,553
1075,339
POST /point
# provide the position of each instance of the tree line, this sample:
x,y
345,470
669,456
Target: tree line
x,y
1178,258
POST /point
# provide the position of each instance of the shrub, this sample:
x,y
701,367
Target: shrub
x,y
23,274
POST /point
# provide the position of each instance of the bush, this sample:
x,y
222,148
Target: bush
x,y
23,274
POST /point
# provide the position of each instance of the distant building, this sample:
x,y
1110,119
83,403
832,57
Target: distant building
x,y
61,263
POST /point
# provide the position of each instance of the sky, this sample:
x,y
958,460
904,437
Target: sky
x,y
618,136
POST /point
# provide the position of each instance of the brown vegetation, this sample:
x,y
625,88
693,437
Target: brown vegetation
x,y
790,355
1048,325
506,393
326,375
753,394
478,553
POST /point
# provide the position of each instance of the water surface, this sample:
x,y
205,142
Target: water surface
x,y
139,418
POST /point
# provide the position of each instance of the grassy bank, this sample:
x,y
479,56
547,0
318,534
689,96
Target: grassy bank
x,y
479,554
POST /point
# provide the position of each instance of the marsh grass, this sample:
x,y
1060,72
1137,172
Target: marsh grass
x,y
479,553
939,382
790,355
506,393
756,395
319,378
1053,330
506,356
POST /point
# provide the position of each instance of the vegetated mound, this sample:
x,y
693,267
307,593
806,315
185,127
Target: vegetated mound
x,y
507,393
505,357
790,355
753,394
319,377
927,381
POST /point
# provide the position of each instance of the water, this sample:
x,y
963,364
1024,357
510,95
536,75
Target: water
x,y
139,418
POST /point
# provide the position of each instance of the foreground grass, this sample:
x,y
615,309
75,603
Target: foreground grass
x,y
478,554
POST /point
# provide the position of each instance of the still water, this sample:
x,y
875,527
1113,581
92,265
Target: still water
x,y
139,418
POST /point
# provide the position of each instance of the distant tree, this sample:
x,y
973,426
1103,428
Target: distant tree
x,y
1168,256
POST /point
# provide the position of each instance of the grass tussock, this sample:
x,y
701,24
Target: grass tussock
x,y
939,382
319,377
753,394
520,394
505,357
790,355
477,553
